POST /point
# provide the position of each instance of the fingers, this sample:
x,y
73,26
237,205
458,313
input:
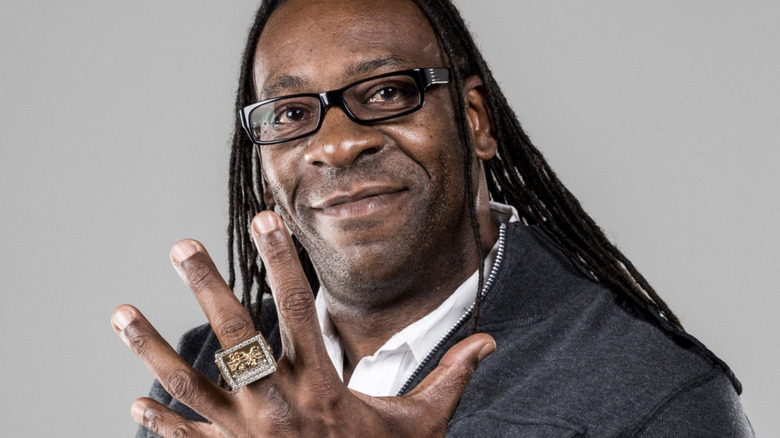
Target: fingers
x,y
298,324
175,375
227,316
444,386
164,422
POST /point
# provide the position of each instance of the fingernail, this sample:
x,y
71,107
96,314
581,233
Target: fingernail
x,y
137,411
121,319
486,350
183,250
264,223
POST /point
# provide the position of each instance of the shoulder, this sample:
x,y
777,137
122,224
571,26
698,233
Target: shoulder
x,y
707,407
573,359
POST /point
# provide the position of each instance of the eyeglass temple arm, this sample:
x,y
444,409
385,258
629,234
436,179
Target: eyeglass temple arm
x,y
437,75
243,121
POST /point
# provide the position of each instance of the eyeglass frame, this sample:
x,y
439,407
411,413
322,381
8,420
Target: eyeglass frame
x,y
423,77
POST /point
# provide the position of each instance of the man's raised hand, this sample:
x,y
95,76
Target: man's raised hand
x,y
305,396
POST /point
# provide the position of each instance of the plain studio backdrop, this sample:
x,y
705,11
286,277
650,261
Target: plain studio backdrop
x,y
662,117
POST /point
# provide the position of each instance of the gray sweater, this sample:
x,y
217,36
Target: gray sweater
x,y
572,360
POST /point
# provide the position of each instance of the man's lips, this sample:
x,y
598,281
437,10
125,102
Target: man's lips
x,y
363,200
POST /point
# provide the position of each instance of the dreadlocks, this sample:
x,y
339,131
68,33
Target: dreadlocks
x,y
517,175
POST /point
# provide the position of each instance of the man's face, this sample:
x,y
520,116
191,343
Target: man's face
x,y
373,204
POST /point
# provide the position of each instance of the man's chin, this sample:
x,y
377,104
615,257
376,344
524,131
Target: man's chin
x,y
366,264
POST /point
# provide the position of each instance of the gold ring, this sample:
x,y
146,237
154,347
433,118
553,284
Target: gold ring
x,y
246,362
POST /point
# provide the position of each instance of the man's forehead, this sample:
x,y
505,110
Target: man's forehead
x,y
304,43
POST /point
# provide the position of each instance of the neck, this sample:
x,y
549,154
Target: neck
x,y
364,326
362,331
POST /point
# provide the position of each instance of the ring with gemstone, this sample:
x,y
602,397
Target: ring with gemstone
x,y
246,362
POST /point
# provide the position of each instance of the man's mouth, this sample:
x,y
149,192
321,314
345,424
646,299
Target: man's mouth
x,y
361,201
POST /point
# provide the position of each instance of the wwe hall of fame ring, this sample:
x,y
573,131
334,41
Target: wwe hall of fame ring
x,y
246,362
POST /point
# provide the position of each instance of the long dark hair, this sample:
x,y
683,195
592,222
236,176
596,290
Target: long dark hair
x,y
518,175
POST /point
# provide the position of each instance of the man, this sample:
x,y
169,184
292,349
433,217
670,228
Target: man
x,y
386,181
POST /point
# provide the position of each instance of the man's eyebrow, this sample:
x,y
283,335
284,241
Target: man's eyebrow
x,y
369,66
284,82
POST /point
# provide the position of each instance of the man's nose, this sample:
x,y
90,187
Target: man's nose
x,y
341,141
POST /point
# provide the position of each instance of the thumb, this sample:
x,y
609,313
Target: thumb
x,y
443,387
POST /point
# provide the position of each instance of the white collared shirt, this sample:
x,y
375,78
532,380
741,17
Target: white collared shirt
x,y
386,371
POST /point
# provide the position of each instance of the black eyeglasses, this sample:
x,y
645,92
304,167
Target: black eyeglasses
x,y
367,101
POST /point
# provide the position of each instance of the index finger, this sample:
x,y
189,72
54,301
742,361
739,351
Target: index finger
x,y
298,325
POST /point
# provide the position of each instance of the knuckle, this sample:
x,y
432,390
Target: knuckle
x,y
200,274
181,384
298,302
232,327
181,431
139,343
275,249
153,420
138,340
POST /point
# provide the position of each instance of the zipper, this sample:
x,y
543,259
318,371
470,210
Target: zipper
x,y
488,283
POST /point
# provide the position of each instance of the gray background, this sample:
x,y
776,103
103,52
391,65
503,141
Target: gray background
x,y
663,118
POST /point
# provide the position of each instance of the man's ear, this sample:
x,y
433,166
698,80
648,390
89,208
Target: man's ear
x,y
479,118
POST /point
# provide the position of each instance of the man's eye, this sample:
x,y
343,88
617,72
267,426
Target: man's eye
x,y
392,94
291,115
384,95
